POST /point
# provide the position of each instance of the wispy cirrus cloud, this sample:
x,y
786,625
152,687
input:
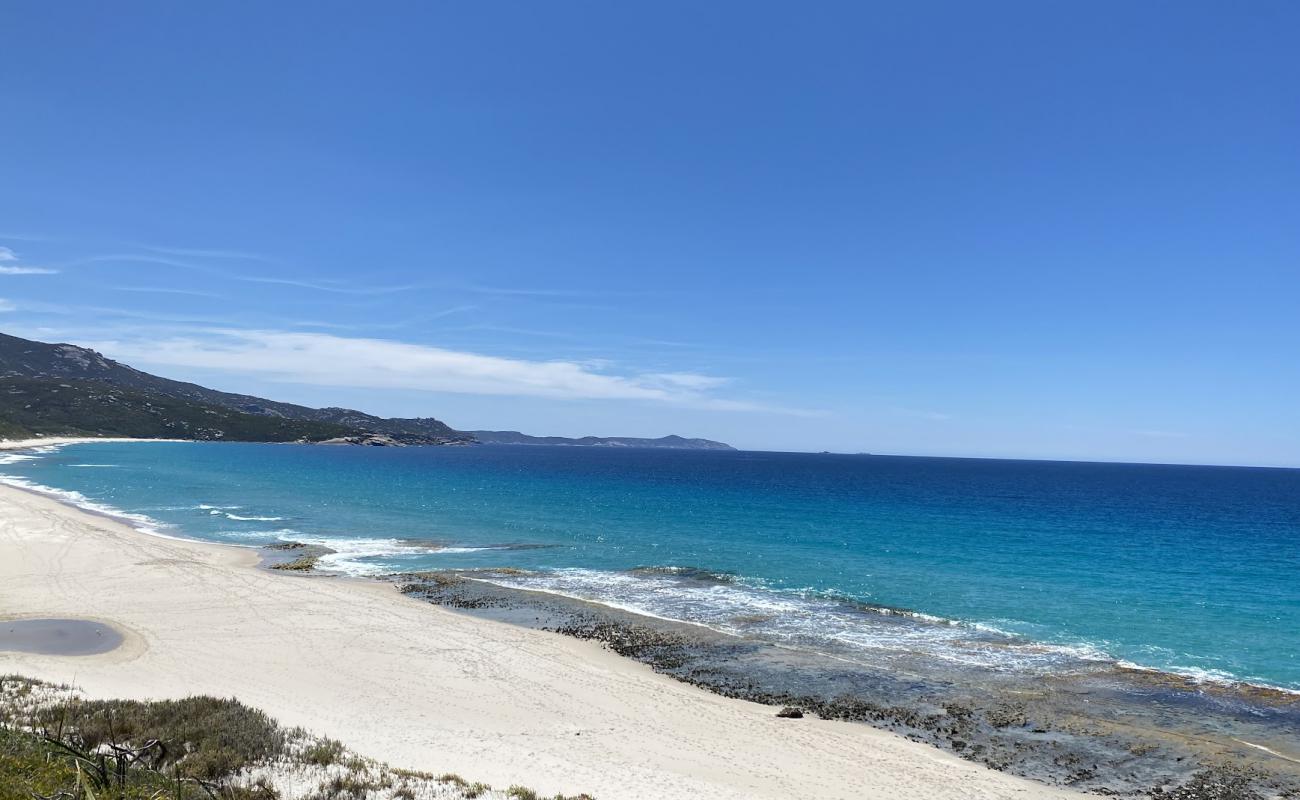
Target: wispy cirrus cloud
x,y
166,290
321,286
164,259
5,305
324,359
8,265
200,252
686,380
522,291
208,262
6,269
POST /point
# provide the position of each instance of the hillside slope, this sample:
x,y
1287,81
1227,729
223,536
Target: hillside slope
x,y
50,406
63,389
27,359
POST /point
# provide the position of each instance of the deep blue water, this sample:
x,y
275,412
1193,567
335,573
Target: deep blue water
x,y
1195,569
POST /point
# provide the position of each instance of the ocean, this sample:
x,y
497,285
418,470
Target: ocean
x,y
1018,566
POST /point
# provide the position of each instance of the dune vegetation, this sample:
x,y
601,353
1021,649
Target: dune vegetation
x,y
57,745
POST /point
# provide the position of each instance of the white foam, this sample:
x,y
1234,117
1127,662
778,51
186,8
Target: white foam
x,y
92,465
348,553
804,619
253,519
141,522
281,534
15,458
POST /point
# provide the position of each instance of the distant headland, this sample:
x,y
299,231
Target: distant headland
x,y
665,442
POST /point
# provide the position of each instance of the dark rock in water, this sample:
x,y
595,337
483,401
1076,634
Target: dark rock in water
x,y
293,556
302,564
1111,731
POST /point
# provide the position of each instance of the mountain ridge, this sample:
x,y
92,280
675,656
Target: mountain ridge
x,y
32,360
65,389
671,442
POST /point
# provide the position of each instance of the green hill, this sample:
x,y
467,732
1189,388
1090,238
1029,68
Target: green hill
x,y
62,389
71,390
51,406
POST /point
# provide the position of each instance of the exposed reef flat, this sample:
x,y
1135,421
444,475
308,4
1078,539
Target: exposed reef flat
x,y
293,556
1100,727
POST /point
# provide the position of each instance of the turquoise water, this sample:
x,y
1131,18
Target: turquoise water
x,y
1192,569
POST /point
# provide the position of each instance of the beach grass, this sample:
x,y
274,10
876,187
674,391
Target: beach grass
x,y
57,745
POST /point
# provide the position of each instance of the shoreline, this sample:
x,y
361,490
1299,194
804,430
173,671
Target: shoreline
x,y
1107,728
1104,749
1192,676
150,526
59,441
423,687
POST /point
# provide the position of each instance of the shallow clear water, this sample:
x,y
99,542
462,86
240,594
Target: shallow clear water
x,y
1195,569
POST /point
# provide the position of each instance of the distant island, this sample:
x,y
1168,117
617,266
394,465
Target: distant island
x,y
663,442
66,390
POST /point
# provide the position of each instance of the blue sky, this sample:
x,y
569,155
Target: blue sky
x,y
1051,230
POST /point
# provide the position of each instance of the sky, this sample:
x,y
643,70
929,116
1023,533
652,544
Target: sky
x,y
1005,229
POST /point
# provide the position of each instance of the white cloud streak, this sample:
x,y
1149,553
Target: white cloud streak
x,y
166,290
319,286
7,267
12,270
327,360
198,252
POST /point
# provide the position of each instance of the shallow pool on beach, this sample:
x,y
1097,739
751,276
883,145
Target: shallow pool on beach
x,y
1190,569
58,637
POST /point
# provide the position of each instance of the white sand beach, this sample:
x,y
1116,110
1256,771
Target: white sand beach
x,y
425,688
49,441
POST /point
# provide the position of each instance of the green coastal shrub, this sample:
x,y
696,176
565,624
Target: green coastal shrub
x,y
57,746
203,737
323,752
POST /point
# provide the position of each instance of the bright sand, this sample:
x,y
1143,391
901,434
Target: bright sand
x,y
47,441
425,688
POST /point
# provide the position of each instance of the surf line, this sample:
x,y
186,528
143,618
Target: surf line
x,y
1268,750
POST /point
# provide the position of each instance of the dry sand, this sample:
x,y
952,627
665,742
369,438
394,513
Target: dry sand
x,y
46,441
425,688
